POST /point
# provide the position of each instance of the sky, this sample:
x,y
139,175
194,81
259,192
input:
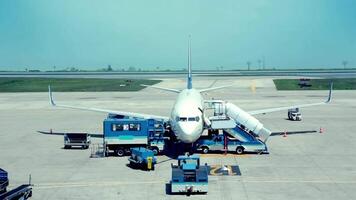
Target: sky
x,y
91,34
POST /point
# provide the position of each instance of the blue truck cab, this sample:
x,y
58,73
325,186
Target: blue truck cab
x,y
189,176
223,142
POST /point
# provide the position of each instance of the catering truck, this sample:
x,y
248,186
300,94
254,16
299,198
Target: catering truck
x,y
123,134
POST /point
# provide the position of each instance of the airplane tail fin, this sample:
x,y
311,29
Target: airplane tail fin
x,y
189,81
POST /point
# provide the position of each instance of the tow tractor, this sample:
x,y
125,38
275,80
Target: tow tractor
x,y
294,114
189,176
76,139
143,158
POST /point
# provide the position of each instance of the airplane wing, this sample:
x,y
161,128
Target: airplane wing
x,y
214,88
269,110
161,88
130,114
96,135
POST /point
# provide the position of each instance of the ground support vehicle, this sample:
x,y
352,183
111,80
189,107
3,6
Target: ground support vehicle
x,y
21,192
157,145
143,158
4,181
231,140
123,134
156,135
294,114
189,176
76,139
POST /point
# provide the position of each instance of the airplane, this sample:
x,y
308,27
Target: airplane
x,y
187,117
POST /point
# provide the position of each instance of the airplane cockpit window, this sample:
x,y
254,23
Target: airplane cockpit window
x,y
183,119
191,119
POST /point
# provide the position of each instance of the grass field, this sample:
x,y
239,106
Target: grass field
x,y
316,84
72,84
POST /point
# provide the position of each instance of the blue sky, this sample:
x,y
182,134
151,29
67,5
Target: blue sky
x,y
90,34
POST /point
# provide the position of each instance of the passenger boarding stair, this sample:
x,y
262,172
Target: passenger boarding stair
x,y
240,134
231,118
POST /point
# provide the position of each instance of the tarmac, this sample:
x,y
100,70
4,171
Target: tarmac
x,y
301,166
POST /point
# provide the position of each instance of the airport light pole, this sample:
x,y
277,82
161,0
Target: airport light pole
x,y
259,64
344,63
248,65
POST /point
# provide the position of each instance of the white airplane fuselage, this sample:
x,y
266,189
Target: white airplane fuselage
x,y
187,117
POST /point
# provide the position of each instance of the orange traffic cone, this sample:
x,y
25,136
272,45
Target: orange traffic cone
x,y
285,134
321,130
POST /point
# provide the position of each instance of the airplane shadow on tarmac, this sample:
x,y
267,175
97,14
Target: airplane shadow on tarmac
x,y
293,132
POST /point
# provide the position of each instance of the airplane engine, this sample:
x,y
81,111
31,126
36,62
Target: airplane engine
x,y
247,120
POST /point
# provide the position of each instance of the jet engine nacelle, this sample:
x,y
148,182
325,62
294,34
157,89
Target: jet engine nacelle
x,y
247,120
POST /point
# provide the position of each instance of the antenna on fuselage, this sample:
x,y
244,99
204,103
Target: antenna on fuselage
x,y
189,81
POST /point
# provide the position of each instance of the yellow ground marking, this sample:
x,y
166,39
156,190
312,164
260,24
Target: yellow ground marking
x,y
213,170
231,173
253,86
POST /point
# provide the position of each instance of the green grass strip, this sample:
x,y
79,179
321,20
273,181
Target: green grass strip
x,y
316,84
72,84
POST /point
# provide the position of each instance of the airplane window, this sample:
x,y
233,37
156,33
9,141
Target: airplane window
x,y
183,119
197,119
117,127
134,127
126,127
191,119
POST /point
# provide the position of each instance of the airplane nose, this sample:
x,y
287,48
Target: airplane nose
x,y
189,134
188,130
